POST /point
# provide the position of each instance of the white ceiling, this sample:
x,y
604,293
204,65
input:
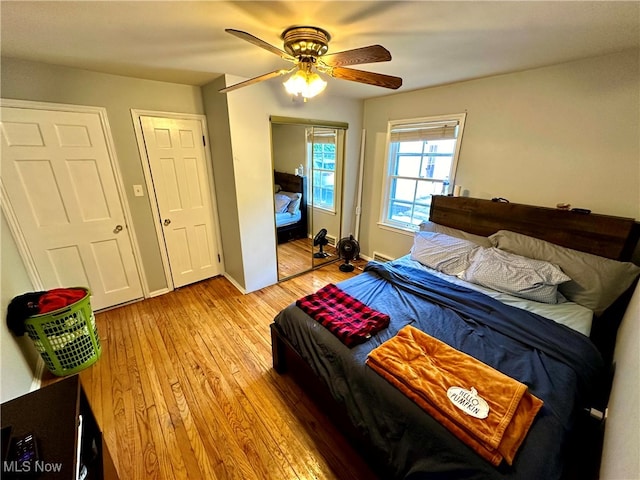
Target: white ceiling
x,y
431,42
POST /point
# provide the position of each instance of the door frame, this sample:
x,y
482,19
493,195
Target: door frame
x,y
10,215
153,201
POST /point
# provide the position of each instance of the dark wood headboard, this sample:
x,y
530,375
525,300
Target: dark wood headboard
x,y
289,182
293,183
607,236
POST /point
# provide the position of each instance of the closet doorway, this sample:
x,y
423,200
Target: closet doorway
x,y
61,196
314,149
180,185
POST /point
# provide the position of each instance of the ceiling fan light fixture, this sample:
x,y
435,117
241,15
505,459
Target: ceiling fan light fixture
x,y
305,83
307,48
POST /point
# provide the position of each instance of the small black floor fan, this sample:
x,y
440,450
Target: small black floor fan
x,y
348,248
320,240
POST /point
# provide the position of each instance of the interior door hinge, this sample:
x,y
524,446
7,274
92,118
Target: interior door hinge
x,y
219,258
204,143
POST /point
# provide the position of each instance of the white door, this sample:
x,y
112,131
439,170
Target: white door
x,y
177,162
57,172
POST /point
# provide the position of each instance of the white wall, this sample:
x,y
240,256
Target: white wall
x,y
249,110
18,357
565,133
621,451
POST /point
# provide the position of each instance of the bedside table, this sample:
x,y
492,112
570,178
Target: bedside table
x,y
52,415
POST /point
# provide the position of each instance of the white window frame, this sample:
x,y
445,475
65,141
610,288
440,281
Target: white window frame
x,y
312,171
387,177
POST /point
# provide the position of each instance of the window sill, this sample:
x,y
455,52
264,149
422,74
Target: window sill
x,y
324,210
392,228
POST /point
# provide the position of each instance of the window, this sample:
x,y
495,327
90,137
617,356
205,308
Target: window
x,y
421,162
321,151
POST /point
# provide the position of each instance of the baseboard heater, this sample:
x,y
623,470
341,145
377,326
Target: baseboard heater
x,y
381,257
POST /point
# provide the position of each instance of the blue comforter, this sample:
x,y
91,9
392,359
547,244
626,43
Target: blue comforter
x,y
558,365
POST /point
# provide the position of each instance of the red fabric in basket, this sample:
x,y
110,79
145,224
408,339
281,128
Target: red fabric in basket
x,y
60,298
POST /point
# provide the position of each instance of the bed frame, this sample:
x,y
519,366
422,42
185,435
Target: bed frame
x,y
293,183
607,236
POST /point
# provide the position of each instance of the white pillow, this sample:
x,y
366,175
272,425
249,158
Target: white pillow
x,y
442,252
281,202
520,276
596,281
430,226
295,199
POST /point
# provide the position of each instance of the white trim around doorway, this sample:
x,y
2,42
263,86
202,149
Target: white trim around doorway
x,y
144,160
106,129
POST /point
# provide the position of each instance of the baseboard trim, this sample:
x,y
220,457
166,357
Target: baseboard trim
x,y
234,283
157,293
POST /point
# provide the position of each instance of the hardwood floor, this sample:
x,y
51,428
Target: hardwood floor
x,y
296,256
185,389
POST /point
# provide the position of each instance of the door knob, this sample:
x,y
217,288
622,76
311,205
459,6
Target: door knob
x,y
117,229
167,221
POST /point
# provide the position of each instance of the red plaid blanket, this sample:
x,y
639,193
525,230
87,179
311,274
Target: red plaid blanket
x,y
346,317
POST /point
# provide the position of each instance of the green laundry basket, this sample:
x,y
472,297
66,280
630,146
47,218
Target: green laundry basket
x,y
67,338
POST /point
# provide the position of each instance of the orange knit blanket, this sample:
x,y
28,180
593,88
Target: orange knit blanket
x,y
425,368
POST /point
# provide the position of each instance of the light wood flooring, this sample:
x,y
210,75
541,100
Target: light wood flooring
x,y
185,389
296,256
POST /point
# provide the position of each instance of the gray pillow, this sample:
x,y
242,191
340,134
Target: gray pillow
x,y
520,276
596,282
454,232
295,198
281,203
442,252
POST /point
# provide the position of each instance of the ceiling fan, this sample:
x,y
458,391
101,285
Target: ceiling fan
x,y
307,48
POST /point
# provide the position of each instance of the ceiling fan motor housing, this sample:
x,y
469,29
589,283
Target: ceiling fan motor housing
x,y
307,48
305,42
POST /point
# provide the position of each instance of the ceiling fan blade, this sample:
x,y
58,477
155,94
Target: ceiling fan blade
x,y
260,43
379,79
251,81
370,54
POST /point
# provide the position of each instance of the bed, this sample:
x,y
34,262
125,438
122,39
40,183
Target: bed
x,y
553,357
290,206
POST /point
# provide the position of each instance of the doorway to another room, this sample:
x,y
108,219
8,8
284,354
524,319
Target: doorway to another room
x,y
62,198
179,180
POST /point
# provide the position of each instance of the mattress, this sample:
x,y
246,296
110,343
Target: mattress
x,y
287,218
556,362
